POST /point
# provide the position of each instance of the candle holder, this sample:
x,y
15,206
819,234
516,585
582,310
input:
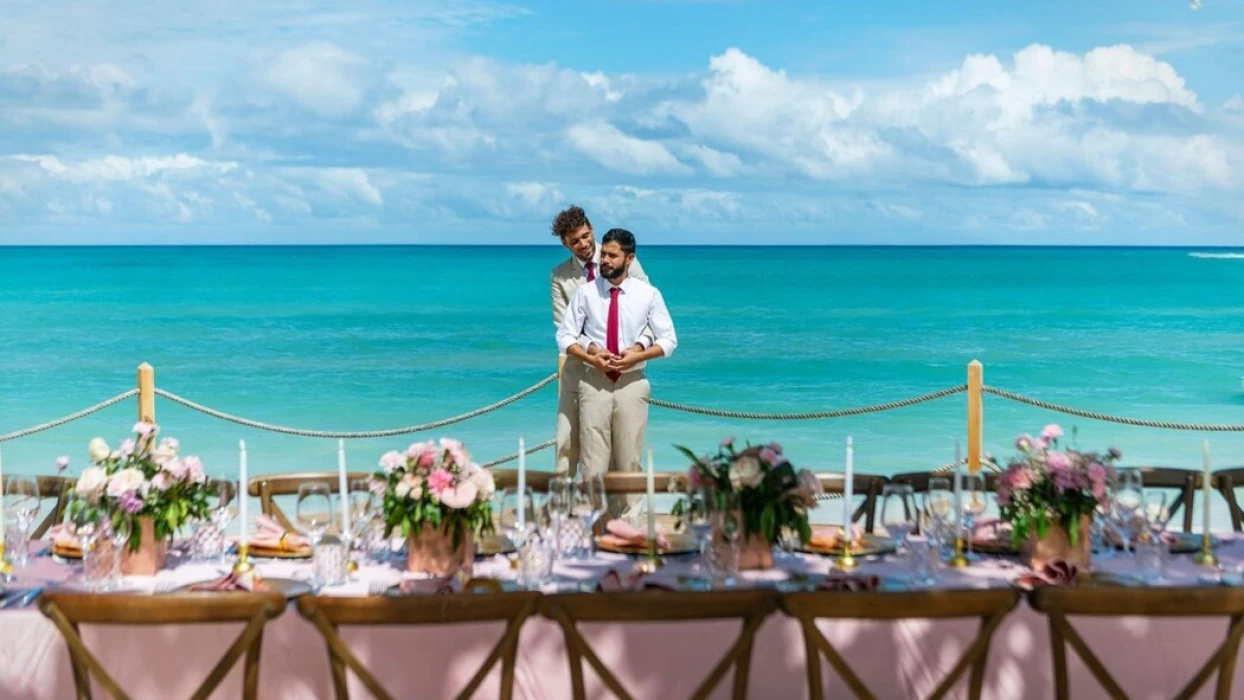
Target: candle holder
x,y
653,562
1206,556
6,569
958,561
243,566
846,560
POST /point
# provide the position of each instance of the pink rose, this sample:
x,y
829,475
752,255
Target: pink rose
x,y
728,442
177,468
427,458
768,456
776,447
62,463
145,429
694,478
1023,443
439,480
460,496
391,461
1057,461
1042,443
1052,432
161,481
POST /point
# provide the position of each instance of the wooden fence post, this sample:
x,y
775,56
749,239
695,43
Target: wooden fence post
x,y
146,393
976,372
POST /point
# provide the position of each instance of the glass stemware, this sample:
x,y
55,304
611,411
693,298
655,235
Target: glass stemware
x,y
21,506
589,504
973,505
560,500
507,515
362,510
896,517
314,511
1126,503
938,504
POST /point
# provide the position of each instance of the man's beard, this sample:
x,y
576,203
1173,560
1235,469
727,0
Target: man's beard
x,y
612,273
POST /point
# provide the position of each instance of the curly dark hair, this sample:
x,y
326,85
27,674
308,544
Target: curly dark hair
x,y
569,221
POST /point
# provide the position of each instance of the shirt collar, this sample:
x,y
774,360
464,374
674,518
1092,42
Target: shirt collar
x,y
605,285
583,263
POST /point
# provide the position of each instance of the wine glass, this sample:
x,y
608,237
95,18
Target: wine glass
x,y
314,511
938,503
698,518
516,530
896,512
223,509
973,505
729,519
362,510
120,528
1157,513
589,504
21,502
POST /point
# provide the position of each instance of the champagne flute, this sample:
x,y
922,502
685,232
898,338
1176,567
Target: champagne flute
x,y
1128,498
589,504
939,502
973,505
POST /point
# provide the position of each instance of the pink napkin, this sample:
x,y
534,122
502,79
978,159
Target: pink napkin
x,y
988,528
1054,573
271,536
619,533
430,586
850,583
247,582
831,537
631,579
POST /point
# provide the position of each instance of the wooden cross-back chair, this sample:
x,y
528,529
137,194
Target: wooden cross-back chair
x,y
329,613
51,488
1226,481
1057,602
751,607
919,483
69,610
990,606
866,485
267,488
508,479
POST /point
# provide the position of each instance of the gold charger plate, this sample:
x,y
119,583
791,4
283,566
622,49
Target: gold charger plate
x,y
289,587
265,553
71,553
679,543
872,544
494,545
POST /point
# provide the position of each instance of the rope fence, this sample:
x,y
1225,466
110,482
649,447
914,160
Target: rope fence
x,y
67,419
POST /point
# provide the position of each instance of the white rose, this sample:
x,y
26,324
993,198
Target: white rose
x,y
484,482
91,484
164,454
161,481
745,472
99,450
402,490
128,480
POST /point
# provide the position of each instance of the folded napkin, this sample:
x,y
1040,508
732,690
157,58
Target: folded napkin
x,y
623,579
989,528
1054,573
831,537
247,582
442,585
850,583
270,536
619,533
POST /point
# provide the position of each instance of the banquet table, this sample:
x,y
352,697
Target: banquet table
x,y
1150,658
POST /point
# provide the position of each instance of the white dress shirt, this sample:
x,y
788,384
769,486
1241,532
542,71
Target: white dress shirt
x,y
640,305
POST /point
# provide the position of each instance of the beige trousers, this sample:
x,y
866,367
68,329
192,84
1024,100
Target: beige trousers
x,y
613,419
567,459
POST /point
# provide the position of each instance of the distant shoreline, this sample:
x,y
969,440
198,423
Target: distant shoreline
x,y
553,244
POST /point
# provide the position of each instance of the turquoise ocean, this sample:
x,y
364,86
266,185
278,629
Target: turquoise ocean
x,y
362,338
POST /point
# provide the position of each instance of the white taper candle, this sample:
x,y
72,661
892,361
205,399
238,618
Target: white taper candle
x,y
1206,478
958,489
343,487
522,485
848,491
652,494
242,496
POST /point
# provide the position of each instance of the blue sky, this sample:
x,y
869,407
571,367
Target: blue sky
x,y
687,121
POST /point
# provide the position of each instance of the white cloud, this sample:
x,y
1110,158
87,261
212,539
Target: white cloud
x,y
608,146
714,161
115,168
349,182
321,77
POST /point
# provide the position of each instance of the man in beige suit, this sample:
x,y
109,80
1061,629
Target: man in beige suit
x,y
602,329
576,234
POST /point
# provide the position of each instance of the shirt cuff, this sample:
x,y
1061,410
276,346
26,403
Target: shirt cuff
x,y
666,345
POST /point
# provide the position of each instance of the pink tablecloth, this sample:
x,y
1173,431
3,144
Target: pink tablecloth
x,y
1150,658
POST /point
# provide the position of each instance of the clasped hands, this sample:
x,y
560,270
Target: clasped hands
x,y
606,361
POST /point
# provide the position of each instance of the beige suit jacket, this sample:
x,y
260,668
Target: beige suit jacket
x,y
568,277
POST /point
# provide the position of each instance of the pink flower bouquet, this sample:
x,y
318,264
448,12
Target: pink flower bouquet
x,y
435,484
1045,486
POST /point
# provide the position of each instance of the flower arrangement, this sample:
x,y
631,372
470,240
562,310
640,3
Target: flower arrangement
x,y
137,480
1046,486
772,494
435,484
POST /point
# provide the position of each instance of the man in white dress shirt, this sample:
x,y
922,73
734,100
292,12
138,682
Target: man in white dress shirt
x,y
575,231
602,328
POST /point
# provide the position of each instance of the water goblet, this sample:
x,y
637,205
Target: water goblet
x,y
1126,502
973,505
560,501
314,514
21,504
896,501
507,515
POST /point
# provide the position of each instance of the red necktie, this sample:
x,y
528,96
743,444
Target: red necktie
x,y
591,272
611,332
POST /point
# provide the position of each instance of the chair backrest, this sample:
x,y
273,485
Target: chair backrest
x,y
637,482
751,607
990,606
270,486
867,485
69,610
1184,481
1226,481
1057,602
328,613
51,488
508,479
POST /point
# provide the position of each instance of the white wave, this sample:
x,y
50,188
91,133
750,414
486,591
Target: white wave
x,y
1225,256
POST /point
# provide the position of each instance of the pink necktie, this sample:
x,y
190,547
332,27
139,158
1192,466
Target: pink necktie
x,y
611,332
591,272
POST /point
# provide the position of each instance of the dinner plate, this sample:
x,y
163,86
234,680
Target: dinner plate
x,y
289,587
679,543
872,544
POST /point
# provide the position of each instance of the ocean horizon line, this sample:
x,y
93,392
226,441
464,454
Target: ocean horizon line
x,y
855,246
